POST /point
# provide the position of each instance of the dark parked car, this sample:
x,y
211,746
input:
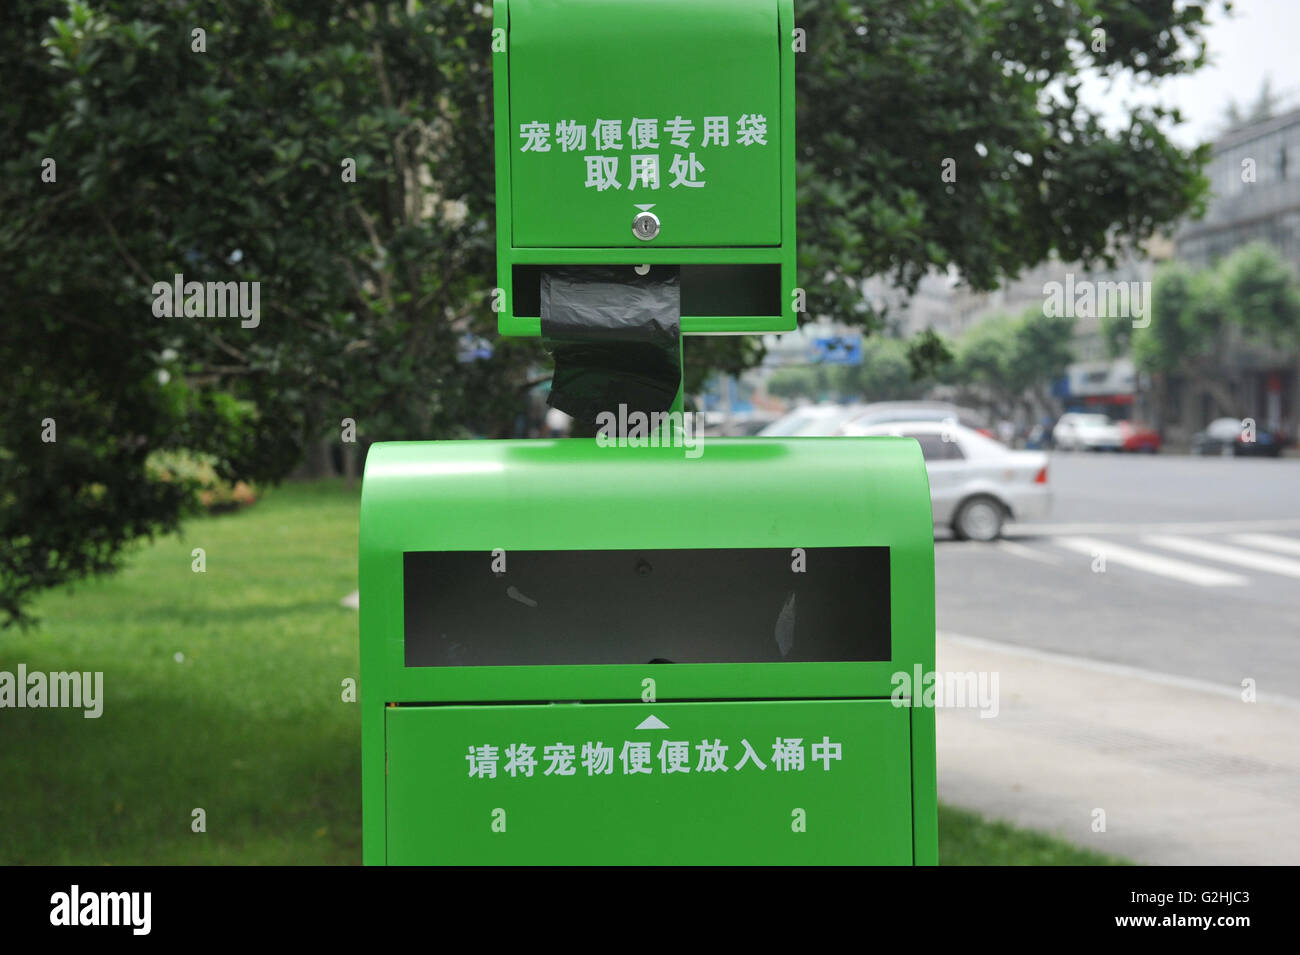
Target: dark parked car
x,y
1228,436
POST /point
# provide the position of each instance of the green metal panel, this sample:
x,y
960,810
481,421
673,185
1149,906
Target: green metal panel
x,y
574,495
657,61
584,60
840,793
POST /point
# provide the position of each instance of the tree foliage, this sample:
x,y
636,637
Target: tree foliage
x,y
1251,296
1007,359
891,90
227,165
1266,105
1201,318
1262,296
885,374
800,381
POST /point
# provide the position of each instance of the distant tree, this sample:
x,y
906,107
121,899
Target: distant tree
x,y
1186,334
1266,105
1010,362
1262,296
981,365
1042,347
798,381
1251,298
885,373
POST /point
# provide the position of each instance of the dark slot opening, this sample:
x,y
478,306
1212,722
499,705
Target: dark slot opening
x,y
647,606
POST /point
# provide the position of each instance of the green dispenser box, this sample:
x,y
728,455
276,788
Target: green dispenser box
x,y
676,113
581,653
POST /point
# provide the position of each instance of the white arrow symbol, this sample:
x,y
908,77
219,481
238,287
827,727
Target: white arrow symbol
x,y
652,722
644,206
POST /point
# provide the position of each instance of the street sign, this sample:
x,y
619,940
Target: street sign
x,y
838,350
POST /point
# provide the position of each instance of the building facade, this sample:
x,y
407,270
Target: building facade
x,y
1254,174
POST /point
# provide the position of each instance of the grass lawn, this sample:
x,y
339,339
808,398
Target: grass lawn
x,y
967,839
249,725
222,691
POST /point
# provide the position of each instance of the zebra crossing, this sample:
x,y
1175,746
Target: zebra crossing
x,y
1150,561
1219,561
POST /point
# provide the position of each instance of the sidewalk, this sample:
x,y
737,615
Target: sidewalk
x,y
1186,772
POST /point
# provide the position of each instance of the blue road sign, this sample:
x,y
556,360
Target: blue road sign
x,y
838,350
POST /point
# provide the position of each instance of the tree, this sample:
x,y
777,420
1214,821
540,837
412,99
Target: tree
x,y
884,375
1188,319
894,94
798,381
1266,106
1042,347
334,157
981,360
1010,362
223,156
1262,296
1201,320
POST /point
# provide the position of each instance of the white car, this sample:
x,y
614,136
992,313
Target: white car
x,y
808,421
1087,432
887,412
976,483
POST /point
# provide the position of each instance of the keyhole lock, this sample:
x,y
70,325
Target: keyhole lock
x,y
645,226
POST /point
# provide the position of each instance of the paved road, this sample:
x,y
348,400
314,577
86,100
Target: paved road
x,y
1201,575
1121,632
1173,487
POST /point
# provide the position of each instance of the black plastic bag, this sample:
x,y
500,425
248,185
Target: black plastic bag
x,y
616,339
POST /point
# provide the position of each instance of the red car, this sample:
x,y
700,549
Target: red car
x,y
1138,437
